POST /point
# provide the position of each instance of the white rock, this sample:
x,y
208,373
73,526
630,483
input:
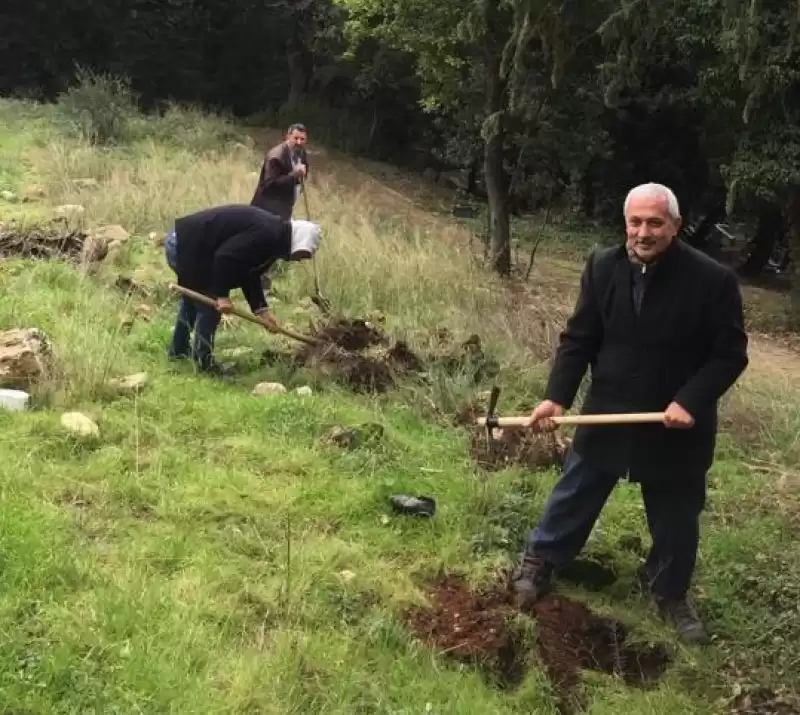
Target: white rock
x,y
14,400
237,352
131,383
8,195
69,210
79,424
24,357
304,391
268,388
102,241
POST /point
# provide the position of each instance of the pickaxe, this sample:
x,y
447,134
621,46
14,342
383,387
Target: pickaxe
x,y
492,421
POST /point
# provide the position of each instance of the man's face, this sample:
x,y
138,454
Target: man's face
x,y
296,138
650,228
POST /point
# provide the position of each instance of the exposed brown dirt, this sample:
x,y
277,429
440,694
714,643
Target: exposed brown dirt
x,y
360,355
42,243
512,447
474,628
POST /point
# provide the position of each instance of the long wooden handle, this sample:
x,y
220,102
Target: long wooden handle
x,y
242,314
611,419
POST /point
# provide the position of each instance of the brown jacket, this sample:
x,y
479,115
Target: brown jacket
x,y
276,188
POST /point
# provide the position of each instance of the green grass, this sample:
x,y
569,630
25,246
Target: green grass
x,y
211,553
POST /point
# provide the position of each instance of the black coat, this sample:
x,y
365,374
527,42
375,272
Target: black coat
x,y
275,191
687,345
227,247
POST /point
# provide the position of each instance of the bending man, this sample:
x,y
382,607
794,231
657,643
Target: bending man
x,y
219,249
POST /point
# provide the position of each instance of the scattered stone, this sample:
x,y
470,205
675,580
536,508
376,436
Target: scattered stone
x,y
9,196
34,191
304,391
347,576
24,357
130,285
14,400
236,352
354,437
79,424
130,384
99,242
68,210
268,388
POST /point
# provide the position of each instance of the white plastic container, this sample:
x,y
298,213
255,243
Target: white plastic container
x,y
15,400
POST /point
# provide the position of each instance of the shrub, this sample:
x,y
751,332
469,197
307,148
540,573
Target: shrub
x,y
98,107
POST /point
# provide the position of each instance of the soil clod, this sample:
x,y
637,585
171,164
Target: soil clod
x,y
475,628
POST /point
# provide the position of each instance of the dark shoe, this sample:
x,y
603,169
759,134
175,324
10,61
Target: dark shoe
x,y
531,579
685,620
413,506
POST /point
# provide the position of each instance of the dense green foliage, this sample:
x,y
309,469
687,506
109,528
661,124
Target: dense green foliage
x,y
537,103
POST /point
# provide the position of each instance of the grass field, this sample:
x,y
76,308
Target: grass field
x,y
209,552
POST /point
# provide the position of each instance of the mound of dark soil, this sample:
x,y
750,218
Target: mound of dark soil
x,y
359,354
474,628
41,242
471,628
516,447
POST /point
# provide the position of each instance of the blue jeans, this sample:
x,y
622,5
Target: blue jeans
x,y
199,317
673,517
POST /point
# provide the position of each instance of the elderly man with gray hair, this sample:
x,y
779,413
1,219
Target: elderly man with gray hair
x,y
661,326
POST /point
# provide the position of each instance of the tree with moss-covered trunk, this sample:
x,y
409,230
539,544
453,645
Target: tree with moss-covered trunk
x,y
521,50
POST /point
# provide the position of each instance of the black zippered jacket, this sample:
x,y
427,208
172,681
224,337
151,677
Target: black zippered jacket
x,y
687,344
227,247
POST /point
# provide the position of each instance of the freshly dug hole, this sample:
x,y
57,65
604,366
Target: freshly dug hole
x,y
472,627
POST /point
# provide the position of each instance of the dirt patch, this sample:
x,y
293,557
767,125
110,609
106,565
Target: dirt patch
x,y
472,628
41,243
359,354
516,447
475,628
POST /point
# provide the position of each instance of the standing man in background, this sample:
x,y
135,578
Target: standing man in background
x,y
283,173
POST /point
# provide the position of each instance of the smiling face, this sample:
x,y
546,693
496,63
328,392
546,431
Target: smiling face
x,y
649,226
296,138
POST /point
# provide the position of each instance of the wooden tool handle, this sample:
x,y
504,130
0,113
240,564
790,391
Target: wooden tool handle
x,y
242,314
611,419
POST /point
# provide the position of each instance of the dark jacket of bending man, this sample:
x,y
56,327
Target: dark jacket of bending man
x,y
215,251
660,325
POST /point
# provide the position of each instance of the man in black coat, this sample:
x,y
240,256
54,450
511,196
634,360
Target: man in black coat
x,y
219,249
661,326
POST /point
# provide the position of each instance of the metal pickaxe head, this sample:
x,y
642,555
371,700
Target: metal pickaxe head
x,y
491,416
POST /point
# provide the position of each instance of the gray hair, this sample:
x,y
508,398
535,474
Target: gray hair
x,y
655,191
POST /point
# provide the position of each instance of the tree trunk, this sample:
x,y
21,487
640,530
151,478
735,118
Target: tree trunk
x,y
793,211
299,53
497,180
770,227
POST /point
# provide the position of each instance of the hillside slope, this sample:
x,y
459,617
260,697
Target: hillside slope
x,y
214,551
